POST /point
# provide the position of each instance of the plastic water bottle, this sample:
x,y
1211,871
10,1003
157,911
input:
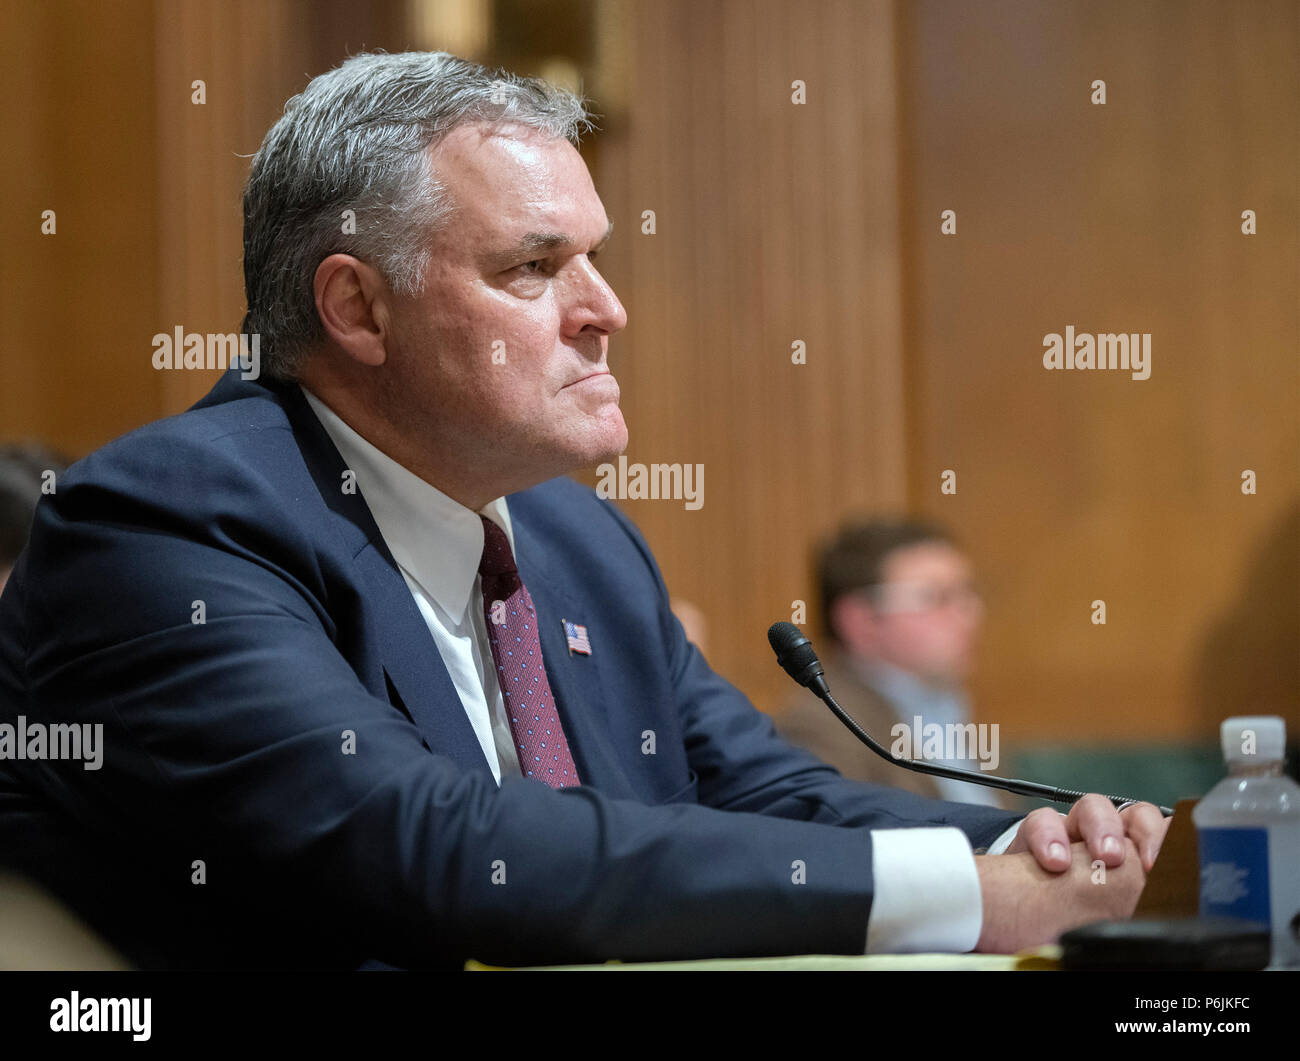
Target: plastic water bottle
x,y
1248,834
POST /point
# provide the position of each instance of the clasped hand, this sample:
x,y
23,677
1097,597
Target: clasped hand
x,y
1049,881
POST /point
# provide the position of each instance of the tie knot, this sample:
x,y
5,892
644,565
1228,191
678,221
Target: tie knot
x,y
497,557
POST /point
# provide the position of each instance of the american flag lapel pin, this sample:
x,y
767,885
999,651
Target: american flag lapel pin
x,y
575,635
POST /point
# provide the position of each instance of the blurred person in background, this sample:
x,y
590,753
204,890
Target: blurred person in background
x,y
23,470
900,606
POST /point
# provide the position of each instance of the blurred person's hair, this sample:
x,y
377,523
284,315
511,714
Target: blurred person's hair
x,y
357,138
22,469
854,559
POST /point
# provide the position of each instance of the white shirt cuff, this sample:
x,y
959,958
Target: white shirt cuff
x,y
926,892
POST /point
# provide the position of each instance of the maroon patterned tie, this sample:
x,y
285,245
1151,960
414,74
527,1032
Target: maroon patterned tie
x,y
512,629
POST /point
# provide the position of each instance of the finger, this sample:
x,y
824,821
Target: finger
x,y
1146,827
1043,832
1094,820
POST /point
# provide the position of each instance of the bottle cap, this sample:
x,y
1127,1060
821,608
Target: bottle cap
x,y
1259,739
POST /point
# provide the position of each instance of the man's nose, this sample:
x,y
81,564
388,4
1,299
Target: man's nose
x,y
595,305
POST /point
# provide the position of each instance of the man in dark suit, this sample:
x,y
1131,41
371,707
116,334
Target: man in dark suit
x,y
376,684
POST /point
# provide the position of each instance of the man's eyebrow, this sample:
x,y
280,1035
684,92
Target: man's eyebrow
x,y
549,241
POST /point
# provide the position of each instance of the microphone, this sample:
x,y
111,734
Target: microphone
x,y
798,658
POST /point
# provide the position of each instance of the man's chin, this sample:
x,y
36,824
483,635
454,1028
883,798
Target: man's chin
x,y
604,455
610,440
592,448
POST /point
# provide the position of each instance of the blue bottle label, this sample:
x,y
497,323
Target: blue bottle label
x,y
1234,873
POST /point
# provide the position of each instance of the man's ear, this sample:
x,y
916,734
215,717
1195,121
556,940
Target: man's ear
x,y
354,302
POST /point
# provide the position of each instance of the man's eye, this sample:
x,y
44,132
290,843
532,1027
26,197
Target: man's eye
x,y
537,266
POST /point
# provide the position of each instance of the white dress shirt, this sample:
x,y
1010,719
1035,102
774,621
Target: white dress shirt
x,y
926,890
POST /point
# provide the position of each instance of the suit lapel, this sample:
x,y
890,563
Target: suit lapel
x,y
413,662
410,655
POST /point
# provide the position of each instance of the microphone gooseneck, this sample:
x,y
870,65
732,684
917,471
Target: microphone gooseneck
x,y
798,658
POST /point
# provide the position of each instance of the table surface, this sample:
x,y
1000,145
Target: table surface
x,y
1042,958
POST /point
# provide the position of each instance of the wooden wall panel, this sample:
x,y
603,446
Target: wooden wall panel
x,y
775,222
146,185
1076,486
253,55
79,140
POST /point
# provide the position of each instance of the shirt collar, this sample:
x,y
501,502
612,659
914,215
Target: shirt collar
x,y
908,694
436,541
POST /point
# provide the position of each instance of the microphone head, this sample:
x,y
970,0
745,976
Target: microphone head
x,y
781,636
794,652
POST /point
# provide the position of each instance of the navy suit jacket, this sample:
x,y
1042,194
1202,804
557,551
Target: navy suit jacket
x,y
227,825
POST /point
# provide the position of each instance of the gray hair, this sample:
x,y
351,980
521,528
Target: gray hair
x,y
357,138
